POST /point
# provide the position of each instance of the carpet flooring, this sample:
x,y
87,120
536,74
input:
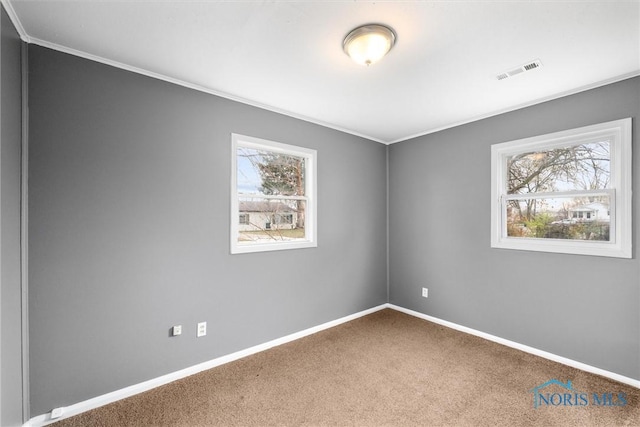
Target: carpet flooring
x,y
384,369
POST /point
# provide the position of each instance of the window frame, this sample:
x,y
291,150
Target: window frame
x,y
618,132
310,197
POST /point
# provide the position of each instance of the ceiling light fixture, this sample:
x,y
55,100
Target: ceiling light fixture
x,y
369,43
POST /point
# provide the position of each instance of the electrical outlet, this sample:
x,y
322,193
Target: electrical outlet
x,y
425,292
176,330
202,329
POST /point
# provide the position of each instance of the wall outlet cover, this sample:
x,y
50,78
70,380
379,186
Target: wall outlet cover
x,y
202,329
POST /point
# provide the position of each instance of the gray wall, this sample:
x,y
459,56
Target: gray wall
x,y
10,196
129,230
580,307
128,225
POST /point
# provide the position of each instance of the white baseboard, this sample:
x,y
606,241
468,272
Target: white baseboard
x,y
554,357
96,402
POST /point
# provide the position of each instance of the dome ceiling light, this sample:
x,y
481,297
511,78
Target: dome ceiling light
x,y
369,43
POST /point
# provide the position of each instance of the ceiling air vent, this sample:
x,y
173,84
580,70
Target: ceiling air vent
x,y
521,69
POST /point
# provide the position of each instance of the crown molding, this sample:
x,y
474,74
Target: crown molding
x,y
197,87
13,16
24,36
521,106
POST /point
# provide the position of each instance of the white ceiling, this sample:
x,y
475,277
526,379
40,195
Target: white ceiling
x,y
287,56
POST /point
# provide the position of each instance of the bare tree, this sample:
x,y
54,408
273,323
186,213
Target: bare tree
x,y
284,175
580,167
281,175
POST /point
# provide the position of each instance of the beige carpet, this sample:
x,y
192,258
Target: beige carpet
x,y
385,369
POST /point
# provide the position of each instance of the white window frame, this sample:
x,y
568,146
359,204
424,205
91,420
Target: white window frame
x,y
618,132
311,209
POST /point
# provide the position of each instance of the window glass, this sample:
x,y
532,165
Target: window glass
x,y
268,173
577,218
582,168
273,195
574,167
567,192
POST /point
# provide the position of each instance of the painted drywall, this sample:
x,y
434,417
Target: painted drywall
x,y
129,212
583,308
10,197
129,230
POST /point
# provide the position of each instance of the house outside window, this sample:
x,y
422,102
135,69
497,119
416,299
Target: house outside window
x,y
566,192
284,219
273,192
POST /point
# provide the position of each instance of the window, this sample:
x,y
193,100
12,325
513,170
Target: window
x,y
283,219
566,192
273,193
